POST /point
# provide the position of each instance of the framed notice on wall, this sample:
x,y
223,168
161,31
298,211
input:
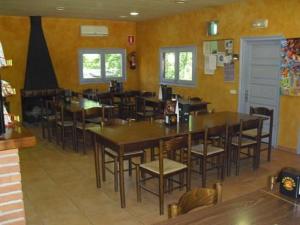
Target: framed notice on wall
x,y
290,67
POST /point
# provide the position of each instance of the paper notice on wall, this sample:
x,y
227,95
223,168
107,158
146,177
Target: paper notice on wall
x,y
210,47
229,46
220,59
2,58
210,64
228,72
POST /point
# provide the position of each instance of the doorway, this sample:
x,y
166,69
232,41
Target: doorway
x,y
260,77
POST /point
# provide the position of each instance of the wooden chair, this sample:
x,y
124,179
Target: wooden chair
x,y
165,168
269,115
207,150
194,199
128,104
48,118
81,124
63,124
142,112
107,99
114,156
239,142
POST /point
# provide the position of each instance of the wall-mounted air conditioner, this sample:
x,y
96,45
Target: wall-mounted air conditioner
x,y
93,31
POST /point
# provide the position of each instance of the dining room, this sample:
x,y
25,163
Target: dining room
x,y
145,110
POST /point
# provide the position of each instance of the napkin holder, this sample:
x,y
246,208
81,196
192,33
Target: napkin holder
x,y
171,119
289,179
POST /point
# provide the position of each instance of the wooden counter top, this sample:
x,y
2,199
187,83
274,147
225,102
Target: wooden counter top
x,y
17,137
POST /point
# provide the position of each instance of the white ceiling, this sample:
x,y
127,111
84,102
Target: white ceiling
x,y
102,9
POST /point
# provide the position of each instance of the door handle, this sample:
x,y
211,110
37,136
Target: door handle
x,y
246,95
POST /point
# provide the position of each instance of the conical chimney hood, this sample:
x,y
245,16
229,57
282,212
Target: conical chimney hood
x,y
39,71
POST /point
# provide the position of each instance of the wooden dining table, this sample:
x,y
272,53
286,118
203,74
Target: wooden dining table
x,y
261,207
76,105
146,134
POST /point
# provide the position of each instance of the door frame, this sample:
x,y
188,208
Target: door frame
x,y
243,82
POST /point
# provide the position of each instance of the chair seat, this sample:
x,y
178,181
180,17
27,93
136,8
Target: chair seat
x,y
146,114
253,133
50,117
115,154
149,109
170,166
244,142
95,120
66,123
87,125
198,149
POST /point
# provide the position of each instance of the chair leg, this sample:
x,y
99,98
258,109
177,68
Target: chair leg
x,y
130,166
48,131
43,129
223,166
161,195
116,181
187,188
269,149
152,154
57,135
203,172
103,163
63,137
237,165
138,185
83,141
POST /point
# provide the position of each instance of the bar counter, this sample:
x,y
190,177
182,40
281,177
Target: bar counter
x,y
11,196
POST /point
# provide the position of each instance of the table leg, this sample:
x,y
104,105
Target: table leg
x,y
121,176
97,163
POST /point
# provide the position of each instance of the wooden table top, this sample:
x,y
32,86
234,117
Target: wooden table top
x,y
136,132
256,208
16,137
84,103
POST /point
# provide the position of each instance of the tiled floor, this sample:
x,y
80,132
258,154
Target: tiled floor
x,y
59,188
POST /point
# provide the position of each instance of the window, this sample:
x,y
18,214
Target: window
x,y
178,65
101,65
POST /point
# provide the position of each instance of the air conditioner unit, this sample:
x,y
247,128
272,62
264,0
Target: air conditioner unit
x,y
93,31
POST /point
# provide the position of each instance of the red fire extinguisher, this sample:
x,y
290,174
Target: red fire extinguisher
x,y
132,60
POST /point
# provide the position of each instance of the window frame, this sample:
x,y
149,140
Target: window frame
x,y
102,52
177,51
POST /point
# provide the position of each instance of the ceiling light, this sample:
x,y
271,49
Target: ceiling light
x,y
123,16
60,8
134,13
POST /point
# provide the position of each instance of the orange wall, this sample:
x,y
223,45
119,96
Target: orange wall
x,y
63,40
234,22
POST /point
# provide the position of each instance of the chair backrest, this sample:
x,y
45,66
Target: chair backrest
x,y
196,99
148,94
94,112
248,125
195,198
140,104
174,144
217,131
60,113
114,122
105,98
168,148
265,112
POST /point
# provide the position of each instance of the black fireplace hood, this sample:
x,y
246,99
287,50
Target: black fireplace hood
x,y
39,70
